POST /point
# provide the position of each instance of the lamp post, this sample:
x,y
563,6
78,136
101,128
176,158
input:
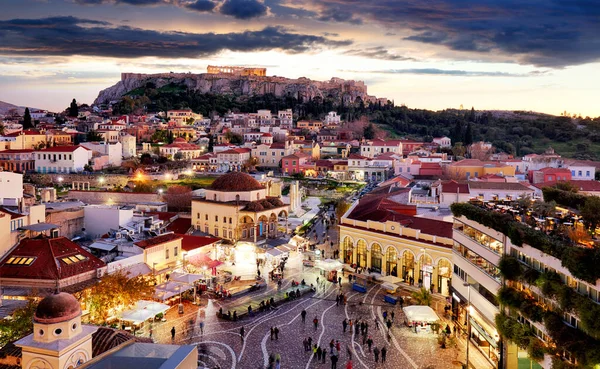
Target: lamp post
x,y
468,285
424,251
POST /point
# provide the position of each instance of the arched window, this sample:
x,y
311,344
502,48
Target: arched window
x,y
361,253
376,257
408,266
391,257
347,246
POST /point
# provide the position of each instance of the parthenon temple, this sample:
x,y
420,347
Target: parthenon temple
x,y
238,71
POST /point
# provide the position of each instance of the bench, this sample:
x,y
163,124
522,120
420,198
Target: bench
x,y
391,299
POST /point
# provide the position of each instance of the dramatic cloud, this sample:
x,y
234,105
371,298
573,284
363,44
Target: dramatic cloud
x,y
335,14
378,52
457,73
552,33
201,6
243,9
74,36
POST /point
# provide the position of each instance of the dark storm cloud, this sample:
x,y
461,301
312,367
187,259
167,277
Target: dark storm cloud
x,y
455,72
74,36
201,5
378,52
243,9
552,33
338,15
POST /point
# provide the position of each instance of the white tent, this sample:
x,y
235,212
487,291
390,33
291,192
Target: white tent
x,y
391,279
420,313
185,277
329,264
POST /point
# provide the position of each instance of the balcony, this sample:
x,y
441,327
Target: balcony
x,y
480,303
478,248
490,279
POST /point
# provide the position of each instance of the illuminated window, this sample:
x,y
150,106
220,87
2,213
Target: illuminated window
x,y
73,259
20,260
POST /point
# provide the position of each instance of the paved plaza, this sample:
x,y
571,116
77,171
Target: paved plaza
x,y
220,345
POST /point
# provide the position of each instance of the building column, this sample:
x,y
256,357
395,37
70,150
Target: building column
x,y
354,255
383,263
368,258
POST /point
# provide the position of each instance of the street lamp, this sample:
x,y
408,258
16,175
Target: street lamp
x,y
468,285
424,251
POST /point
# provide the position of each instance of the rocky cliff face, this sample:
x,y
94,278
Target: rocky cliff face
x,y
336,88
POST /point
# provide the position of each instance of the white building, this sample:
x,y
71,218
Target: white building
x,y
113,151
62,159
128,143
581,170
372,148
443,141
332,118
12,188
182,116
100,219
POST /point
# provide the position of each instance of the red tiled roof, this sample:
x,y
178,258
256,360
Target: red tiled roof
x,y
555,171
455,187
236,182
48,263
165,216
63,149
151,242
17,151
180,225
189,243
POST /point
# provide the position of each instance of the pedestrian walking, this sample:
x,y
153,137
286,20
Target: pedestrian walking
x,y
393,314
340,280
334,360
172,333
370,343
319,353
303,315
337,345
309,342
376,323
202,327
316,322
364,338
385,315
401,301
356,328
272,333
276,331
306,346
242,333
383,354
376,353
337,300
323,355
345,325
389,324
349,364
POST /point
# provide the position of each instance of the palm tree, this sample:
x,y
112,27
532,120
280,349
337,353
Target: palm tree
x,y
422,297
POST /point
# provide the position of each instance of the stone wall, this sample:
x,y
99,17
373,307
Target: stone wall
x,y
67,179
113,198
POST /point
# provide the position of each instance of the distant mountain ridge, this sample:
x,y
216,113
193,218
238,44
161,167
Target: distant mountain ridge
x,y
227,84
6,107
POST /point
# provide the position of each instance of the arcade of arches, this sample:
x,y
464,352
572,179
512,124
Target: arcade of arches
x,y
429,265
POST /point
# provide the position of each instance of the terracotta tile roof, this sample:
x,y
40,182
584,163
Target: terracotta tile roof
x,y
555,171
48,263
189,243
235,182
23,151
506,186
151,242
455,187
63,149
105,339
180,225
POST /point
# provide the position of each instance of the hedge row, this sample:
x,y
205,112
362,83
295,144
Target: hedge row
x,y
569,199
581,262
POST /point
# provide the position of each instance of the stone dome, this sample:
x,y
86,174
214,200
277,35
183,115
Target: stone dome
x,y
235,182
60,307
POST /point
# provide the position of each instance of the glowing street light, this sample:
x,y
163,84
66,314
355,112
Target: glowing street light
x,y
101,180
168,176
160,191
60,179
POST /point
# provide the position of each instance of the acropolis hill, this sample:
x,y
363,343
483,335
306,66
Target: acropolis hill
x,y
242,81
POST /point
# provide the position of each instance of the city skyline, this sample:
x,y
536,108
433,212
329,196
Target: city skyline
x,y
533,55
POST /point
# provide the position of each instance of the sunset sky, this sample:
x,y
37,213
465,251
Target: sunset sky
x,y
540,55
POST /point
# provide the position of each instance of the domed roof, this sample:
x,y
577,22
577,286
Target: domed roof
x,y
235,182
57,308
179,139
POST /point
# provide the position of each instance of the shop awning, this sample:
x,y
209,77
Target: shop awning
x,y
185,277
136,316
152,306
274,252
329,264
418,313
167,290
391,279
102,246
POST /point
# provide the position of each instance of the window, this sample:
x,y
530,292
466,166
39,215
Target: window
x,y
216,218
20,260
579,173
175,251
587,173
206,218
572,172
166,253
198,216
73,259
229,220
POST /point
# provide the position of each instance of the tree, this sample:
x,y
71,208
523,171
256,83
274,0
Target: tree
x,y
93,136
178,155
73,110
544,208
469,135
117,291
341,207
178,198
369,132
27,122
422,297
591,212
146,159
20,325
1,129
189,121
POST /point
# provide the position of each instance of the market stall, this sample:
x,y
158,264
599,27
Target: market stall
x,y
420,317
329,268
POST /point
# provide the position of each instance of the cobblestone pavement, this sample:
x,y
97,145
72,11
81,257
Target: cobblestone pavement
x,y
221,345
